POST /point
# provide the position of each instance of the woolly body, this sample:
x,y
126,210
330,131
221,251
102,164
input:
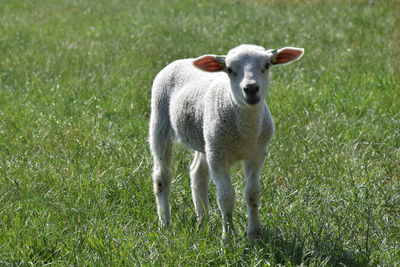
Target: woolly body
x,y
194,96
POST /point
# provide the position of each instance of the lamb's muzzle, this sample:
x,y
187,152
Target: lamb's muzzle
x,y
251,93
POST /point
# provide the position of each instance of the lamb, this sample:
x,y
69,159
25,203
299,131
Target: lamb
x,y
216,106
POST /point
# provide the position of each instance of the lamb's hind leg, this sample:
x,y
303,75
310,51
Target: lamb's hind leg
x,y
199,176
161,149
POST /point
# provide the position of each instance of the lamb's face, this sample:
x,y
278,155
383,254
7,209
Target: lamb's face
x,y
247,67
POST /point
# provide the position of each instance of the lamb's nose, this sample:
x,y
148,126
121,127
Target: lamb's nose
x,y
251,88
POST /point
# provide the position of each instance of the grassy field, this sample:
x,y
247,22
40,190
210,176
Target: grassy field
x,y
75,82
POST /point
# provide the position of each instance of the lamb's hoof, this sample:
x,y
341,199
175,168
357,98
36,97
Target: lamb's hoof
x,y
165,224
254,235
227,239
201,222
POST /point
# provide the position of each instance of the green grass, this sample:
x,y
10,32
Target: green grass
x,y
75,81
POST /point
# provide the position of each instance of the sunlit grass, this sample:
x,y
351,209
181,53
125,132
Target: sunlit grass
x,y
75,80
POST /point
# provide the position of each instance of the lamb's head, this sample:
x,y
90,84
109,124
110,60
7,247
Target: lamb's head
x,y
247,67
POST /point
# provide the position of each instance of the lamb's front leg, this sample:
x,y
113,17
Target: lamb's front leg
x,y
199,183
252,170
219,171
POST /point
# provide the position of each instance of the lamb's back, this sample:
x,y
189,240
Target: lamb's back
x,y
181,89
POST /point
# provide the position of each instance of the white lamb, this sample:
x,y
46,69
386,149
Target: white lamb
x,y
216,106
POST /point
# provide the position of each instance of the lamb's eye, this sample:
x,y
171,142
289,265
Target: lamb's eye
x,y
230,71
266,67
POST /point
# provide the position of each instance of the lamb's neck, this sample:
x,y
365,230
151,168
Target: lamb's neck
x,y
249,119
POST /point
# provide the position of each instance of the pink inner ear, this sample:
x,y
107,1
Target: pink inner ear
x,y
208,63
288,55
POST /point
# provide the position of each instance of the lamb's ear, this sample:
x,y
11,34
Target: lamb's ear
x,y
286,55
210,63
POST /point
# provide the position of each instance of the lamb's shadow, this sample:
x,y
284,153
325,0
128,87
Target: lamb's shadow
x,y
294,250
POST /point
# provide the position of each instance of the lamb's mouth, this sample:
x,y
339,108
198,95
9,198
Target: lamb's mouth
x,y
252,99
